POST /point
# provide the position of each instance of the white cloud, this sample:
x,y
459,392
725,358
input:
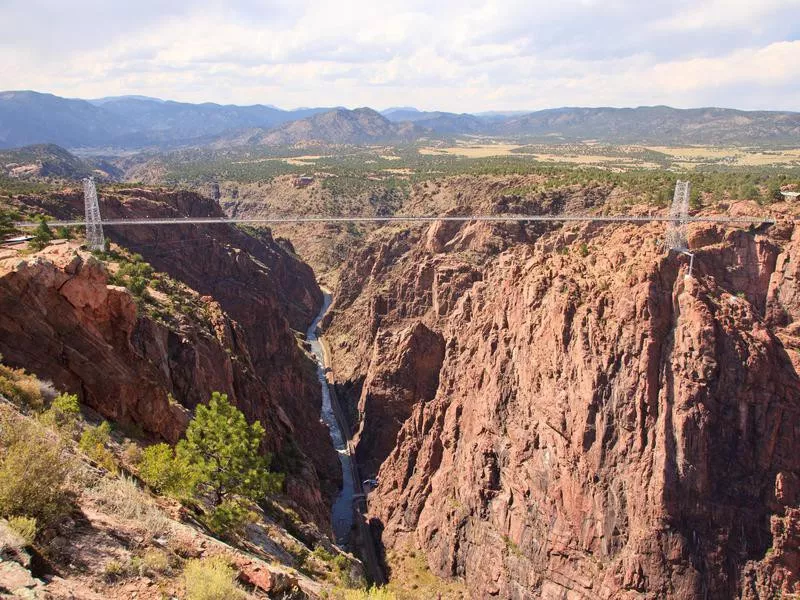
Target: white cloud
x,y
462,56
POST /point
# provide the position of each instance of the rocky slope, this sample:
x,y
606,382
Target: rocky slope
x,y
324,246
51,161
561,412
256,294
111,538
342,126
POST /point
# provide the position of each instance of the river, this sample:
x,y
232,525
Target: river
x,y
342,511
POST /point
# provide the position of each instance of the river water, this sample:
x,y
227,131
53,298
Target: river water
x,y
342,512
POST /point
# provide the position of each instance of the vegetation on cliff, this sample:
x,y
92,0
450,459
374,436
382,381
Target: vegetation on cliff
x,y
218,460
60,503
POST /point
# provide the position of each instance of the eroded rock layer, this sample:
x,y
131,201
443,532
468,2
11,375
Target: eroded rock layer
x,y
64,323
603,426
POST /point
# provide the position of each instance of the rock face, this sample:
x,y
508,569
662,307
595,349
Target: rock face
x,y
87,337
406,371
83,335
602,425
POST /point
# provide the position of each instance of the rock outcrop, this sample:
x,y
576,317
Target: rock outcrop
x,y
61,320
405,372
602,427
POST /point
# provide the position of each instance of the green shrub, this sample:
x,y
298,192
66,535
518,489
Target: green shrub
x,y
163,472
25,527
322,554
340,562
93,443
95,436
134,274
211,579
33,472
373,593
41,235
300,555
63,412
24,390
64,233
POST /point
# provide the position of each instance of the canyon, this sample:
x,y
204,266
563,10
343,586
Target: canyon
x,y
550,411
564,412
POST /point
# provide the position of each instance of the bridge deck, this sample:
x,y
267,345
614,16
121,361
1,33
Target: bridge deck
x,y
412,219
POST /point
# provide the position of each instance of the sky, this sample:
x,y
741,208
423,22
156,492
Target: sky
x,y
434,55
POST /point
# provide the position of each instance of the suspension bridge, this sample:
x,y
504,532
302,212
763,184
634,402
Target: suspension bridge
x,y
675,238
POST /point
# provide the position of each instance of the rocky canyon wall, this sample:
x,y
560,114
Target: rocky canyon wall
x,y
602,425
124,364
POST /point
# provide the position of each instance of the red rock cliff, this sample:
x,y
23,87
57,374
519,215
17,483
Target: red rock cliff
x,y
63,322
264,289
602,426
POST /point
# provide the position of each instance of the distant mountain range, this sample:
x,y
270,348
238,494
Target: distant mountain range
x,y
658,124
127,121
136,122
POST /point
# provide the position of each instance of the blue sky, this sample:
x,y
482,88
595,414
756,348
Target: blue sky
x,y
458,56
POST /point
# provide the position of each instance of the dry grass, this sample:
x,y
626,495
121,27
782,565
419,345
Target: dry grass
x,y
11,542
411,578
121,496
474,150
690,156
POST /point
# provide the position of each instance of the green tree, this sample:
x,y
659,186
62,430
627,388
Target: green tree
x,y
42,235
223,450
773,193
695,199
7,218
748,191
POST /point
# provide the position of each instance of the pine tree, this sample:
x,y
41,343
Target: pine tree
x,y
223,451
41,235
7,218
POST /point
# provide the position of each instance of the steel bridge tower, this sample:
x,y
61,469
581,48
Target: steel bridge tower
x,y
94,224
678,221
679,218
